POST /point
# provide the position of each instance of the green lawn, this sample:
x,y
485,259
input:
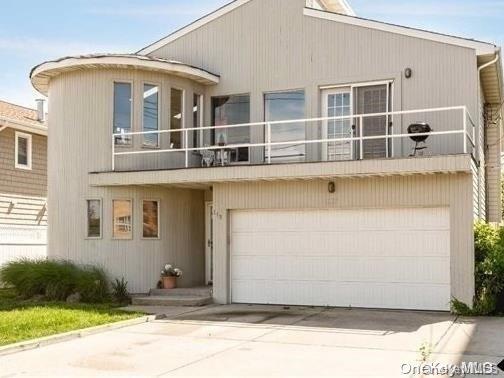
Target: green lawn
x,y
23,320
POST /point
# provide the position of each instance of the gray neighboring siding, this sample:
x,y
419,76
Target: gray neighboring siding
x,y
493,169
31,183
266,46
454,191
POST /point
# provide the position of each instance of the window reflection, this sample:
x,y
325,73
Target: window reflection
x,y
122,112
151,114
283,106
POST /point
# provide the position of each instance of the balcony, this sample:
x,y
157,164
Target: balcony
x,y
391,135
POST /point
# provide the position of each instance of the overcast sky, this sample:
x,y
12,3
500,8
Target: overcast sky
x,y
33,31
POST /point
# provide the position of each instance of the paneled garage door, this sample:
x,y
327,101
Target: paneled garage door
x,y
376,258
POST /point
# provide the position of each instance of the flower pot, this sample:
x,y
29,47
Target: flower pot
x,y
169,282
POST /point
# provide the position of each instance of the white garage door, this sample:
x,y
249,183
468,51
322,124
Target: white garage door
x,y
379,258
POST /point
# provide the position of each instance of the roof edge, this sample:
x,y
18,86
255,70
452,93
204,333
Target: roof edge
x,y
23,126
482,48
192,26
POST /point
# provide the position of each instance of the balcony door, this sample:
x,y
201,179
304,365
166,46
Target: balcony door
x,y
356,100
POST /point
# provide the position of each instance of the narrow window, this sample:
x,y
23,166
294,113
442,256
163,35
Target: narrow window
x,y
94,215
122,213
151,114
197,120
232,110
23,151
151,219
122,112
177,117
282,106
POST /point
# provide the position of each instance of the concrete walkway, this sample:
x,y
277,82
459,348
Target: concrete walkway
x,y
241,340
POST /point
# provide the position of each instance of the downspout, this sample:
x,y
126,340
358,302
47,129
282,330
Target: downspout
x,y
481,68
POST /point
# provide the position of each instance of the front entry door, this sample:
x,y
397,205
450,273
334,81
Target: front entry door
x,y
209,243
337,103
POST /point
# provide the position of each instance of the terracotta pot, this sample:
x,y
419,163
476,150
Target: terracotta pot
x,y
169,282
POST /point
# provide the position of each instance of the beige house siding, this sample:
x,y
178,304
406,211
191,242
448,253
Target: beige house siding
x,y
80,142
454,191
266,46
32,183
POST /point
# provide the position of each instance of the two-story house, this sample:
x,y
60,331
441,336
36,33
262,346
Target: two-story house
x,y
286,151
23,182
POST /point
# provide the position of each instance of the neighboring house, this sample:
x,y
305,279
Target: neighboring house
x,y
23,182
313,199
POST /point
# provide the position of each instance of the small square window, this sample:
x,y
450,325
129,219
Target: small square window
x,y
23,151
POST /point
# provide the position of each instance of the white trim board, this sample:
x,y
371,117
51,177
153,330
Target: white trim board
x,y
482,48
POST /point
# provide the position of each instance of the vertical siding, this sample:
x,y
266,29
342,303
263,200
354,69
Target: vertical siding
x,y
80,129
267,45
453,191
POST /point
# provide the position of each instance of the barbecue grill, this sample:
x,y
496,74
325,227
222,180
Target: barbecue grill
x,y
419,128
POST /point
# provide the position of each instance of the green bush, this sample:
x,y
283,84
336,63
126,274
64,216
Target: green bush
x,y
120,291
56,280
489,272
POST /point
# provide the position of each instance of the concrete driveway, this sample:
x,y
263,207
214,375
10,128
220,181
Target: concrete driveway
x,y
241,340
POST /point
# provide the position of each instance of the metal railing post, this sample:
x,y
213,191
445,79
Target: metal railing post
x,y
113,152
465,129
361,135
268,141
186,146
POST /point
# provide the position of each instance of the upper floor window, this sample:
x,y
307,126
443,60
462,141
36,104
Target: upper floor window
x,y
232,110
177,117
282,106
197,120
123,102
94,215
151,114
23,151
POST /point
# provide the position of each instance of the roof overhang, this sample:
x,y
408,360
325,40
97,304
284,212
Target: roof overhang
x,y
42,74
6,122
492,78
338,6
482,48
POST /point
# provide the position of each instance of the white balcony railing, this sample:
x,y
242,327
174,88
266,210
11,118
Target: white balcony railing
x,y
452,126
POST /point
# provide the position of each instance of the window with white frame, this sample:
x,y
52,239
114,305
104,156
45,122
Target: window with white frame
x,y
150,209
94,218
151,114
122,219
23,151
123,109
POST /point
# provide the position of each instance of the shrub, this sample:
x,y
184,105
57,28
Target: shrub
x,y
56,280
489,272
120,291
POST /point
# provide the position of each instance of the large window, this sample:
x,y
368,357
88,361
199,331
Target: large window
x,y
122,219
94,215
122,112
232,110
150,219
23,151
281,106
177,117
151,114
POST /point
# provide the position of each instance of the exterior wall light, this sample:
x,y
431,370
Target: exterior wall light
x,y
408,73
331,187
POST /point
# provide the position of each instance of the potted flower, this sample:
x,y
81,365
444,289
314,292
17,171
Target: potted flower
x,y
169,276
